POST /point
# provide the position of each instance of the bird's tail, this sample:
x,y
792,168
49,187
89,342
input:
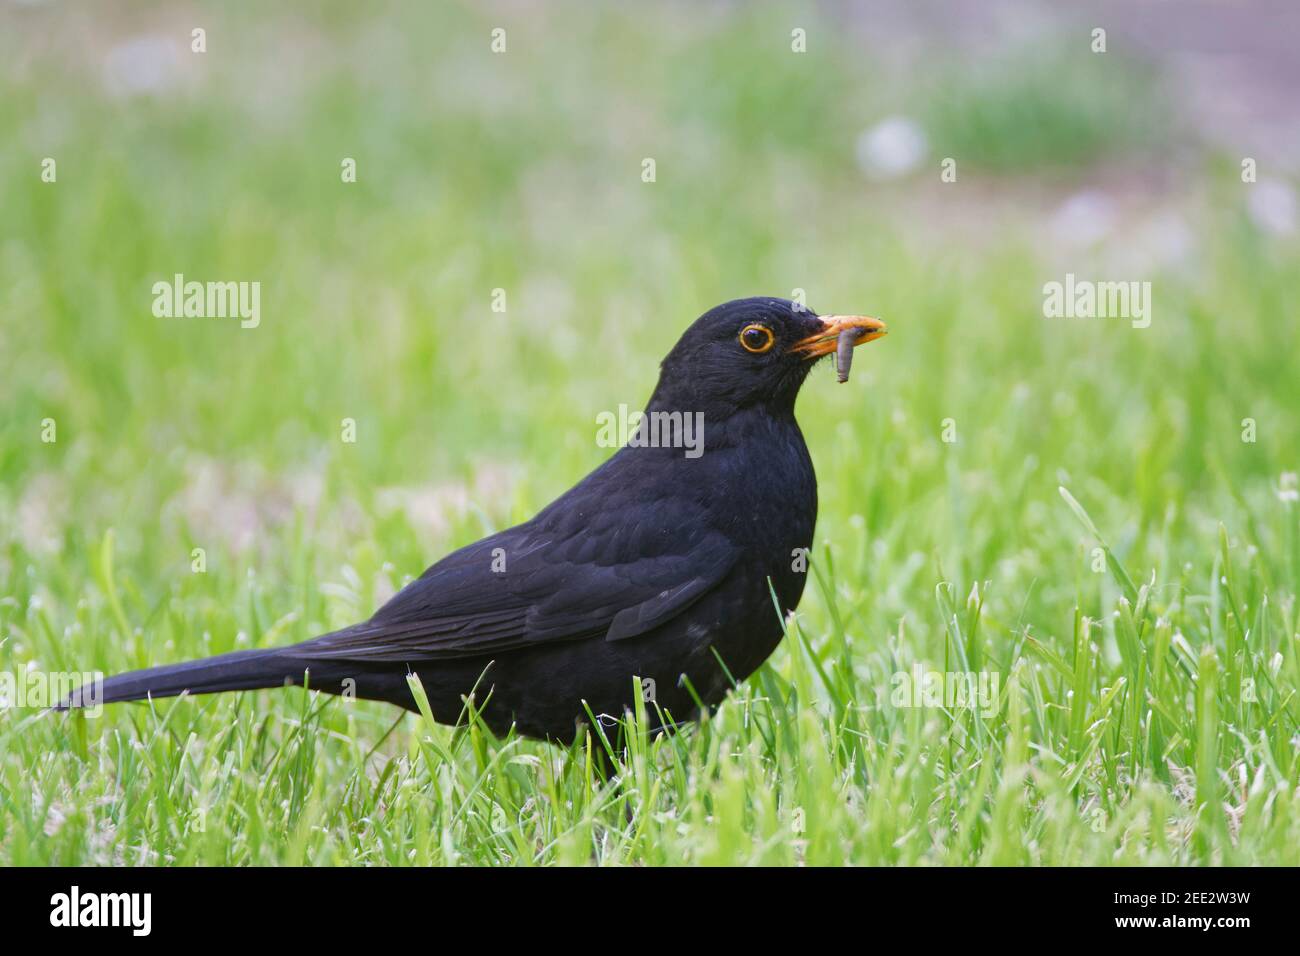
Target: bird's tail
x,y
239,670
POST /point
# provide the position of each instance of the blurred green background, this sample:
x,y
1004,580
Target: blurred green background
x,y
522,171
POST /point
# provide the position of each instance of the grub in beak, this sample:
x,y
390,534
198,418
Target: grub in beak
x,y
844,352
840,334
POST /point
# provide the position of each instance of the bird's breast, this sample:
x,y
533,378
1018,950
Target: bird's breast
x,y
765,491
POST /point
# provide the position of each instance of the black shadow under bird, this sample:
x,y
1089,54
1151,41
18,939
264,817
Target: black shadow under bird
x,y
658,567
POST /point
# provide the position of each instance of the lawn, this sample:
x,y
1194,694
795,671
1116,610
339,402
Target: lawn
x,y
1099,521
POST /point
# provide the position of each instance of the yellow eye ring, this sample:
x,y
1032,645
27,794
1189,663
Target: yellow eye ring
x,y
756,338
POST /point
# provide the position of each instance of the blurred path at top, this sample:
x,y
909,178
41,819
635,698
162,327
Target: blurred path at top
x,y
1235,62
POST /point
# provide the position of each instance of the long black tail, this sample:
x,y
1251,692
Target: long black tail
x,y
239,670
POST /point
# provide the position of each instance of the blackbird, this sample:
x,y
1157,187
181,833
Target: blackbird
x,y
654,575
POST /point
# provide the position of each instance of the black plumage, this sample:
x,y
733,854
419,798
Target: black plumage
x,y
656,566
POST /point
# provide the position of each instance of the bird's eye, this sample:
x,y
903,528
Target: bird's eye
x,y
756,338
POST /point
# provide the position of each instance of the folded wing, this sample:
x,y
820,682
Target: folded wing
x,y
539,583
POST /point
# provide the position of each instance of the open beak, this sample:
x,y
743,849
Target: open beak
x,y
826,339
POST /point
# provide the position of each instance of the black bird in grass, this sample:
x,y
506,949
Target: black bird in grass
x,y
656,566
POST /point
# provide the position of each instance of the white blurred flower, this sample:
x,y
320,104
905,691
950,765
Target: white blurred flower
x,y
893,147
143,64
1271,204
1288,487
1085,217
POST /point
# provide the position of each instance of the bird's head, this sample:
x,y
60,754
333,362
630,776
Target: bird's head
x,y
752,352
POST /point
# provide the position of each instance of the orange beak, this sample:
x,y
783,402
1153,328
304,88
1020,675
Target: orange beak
x,y
824,341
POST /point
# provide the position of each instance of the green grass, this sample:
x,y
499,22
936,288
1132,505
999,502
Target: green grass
x,y
1050,105
1147,711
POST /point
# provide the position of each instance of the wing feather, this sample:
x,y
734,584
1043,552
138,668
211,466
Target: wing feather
x,y
555,587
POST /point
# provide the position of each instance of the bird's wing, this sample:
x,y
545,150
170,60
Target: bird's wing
x,y
621,574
